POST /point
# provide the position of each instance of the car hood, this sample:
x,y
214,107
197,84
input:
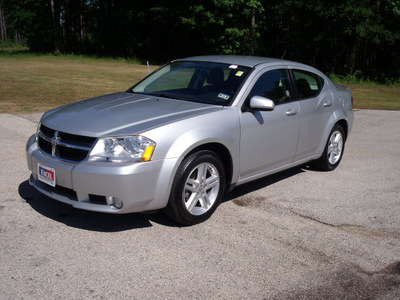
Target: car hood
x,y
121,114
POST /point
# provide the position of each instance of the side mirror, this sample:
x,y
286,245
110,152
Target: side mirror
x,y
261,103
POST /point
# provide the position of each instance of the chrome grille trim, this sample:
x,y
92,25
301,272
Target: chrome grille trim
x,y
64,146
60,143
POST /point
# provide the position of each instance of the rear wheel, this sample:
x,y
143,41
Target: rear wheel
x,y
333,151
197,189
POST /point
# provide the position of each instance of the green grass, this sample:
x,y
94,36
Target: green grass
x,y
368,96
371,95
36,83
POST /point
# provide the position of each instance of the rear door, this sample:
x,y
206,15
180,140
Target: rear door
x,y
269,138
316,107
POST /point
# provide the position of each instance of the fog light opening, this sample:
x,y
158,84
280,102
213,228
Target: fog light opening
x,y
117,203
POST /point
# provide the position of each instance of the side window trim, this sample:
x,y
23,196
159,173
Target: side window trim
x,y
289,87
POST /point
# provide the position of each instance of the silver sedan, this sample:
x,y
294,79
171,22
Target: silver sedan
x,y
189,132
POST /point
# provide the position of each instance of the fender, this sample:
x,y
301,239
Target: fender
x,y
191,134
337,116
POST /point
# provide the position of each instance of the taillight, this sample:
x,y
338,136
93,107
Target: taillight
x,y
351,100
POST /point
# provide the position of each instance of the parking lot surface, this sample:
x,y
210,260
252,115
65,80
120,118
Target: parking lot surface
x,y
299,234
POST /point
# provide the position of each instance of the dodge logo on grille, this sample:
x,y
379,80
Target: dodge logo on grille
x,y
54,141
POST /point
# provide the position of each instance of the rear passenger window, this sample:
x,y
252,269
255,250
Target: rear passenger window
x,y
308,84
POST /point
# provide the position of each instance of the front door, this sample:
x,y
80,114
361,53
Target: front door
x,y
269,138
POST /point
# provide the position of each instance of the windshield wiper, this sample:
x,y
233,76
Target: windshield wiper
x,y
164,95
169,96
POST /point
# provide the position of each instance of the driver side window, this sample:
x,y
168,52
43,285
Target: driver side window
x,y
273,85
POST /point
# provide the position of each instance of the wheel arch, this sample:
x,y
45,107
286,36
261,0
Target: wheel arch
x,y
176,207
222,152
345,127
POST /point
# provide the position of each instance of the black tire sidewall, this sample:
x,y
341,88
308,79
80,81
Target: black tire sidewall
x,y
326,165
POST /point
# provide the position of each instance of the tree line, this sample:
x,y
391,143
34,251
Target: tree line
x,y
358,37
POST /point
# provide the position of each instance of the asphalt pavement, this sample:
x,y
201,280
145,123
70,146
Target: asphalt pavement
x,y
299,234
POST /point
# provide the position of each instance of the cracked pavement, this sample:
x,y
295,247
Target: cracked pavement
x,y
298,234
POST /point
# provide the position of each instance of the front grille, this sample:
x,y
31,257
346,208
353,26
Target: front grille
x,y
64,145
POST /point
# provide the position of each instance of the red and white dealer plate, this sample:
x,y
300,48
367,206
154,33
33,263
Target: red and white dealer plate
x,y
47,175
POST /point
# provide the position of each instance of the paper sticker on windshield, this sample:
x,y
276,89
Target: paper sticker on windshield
x,y
233,66
239,73
223,96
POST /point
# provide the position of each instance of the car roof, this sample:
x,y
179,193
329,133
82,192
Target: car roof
x,y
247,61
252,62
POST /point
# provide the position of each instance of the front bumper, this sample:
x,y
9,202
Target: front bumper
x,y
93,185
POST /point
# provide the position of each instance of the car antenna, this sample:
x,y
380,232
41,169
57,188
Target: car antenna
x,y
283,54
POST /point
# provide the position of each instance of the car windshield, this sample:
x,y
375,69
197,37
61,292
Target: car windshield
x,y
204,82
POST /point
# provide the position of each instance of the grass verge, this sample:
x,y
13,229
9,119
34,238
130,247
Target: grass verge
x,y
36,83
367,96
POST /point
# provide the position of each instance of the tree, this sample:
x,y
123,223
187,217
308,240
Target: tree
x,y
225,26
30,19
54,19
345,36
3,28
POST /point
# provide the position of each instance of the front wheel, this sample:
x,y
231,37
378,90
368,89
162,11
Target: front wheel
x,y
333,151
197,189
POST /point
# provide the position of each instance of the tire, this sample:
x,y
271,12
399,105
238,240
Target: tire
x,y
197,189
333,151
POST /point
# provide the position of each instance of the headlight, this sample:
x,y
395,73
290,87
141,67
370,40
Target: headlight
x,y
122,149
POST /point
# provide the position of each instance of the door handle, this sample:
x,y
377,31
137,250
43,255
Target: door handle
x,y
327,104
291,112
